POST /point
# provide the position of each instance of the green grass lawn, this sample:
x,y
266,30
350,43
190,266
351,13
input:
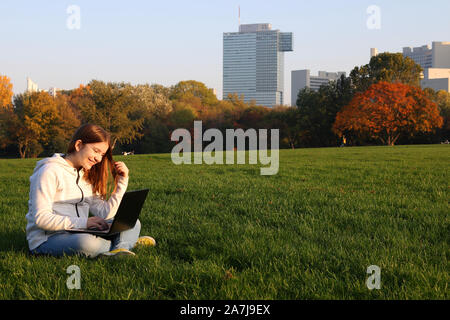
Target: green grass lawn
x,y
226,232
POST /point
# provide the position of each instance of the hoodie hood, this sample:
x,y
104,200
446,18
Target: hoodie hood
x,y
58,159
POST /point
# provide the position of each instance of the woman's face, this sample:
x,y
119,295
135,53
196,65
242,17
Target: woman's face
x,y
90,154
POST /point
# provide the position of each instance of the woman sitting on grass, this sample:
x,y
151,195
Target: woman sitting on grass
x,y
64,188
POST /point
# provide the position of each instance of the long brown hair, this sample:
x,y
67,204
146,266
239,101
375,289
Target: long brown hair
x,y
99,173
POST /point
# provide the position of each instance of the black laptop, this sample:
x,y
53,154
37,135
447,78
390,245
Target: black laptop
x,y
126,216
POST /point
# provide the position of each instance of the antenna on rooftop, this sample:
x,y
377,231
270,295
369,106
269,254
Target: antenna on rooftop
x,y
239,21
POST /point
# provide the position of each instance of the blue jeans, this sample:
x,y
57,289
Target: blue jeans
x,y
87,244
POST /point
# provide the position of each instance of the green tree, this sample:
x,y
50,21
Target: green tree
x,y
389,67
186,90
442,99
156,138
8,125
116,108
181,117
317,112
286,120
253,117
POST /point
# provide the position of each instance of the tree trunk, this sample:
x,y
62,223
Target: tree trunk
x,y
291,143
22,150
395,139
113,144
391,139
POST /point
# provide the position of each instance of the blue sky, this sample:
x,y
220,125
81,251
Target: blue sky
x,y
168,41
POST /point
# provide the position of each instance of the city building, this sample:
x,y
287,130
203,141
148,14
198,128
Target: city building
x,y
373,52
52,91
33,87
423,55
436,78
435,61
436,56
253,63
441,55
302,78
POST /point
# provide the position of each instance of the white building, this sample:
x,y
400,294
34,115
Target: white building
x,y
436,56
423,55
441,55
373,52
435,61
436,78
33,87
52,91
302,78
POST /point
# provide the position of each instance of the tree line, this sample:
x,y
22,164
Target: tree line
x,y
378,103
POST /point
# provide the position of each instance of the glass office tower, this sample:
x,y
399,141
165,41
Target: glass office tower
x,y
253,63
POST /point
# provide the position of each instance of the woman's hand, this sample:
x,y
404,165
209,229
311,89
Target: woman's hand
x,y
97,223
121,168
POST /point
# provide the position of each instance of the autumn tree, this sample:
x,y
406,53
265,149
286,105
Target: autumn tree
x,y
237,100
81,96
387,110
67,122
6,92
33,122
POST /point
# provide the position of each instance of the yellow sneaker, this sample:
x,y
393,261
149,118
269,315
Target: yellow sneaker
x,y
145,241
118,253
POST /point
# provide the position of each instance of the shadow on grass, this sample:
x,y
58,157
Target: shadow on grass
x,y
13,240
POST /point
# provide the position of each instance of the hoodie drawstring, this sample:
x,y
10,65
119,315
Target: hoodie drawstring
x,y
82,194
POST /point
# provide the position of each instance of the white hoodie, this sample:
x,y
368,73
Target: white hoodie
x,y
60,199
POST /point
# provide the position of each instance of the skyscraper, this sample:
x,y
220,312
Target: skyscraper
x,y
253,63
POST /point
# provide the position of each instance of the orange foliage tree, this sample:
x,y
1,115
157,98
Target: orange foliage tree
x,y
387,110
6,92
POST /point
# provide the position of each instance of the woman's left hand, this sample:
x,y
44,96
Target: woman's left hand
x,y
121,168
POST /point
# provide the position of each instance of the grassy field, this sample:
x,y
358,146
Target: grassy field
x,y
226,232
